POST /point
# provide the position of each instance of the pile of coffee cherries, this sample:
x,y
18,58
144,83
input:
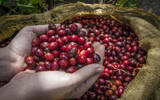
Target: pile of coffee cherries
x,y
61,49
68,47
123,56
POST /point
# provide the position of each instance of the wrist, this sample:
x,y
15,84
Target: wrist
x,y
4,53
16,91
8,92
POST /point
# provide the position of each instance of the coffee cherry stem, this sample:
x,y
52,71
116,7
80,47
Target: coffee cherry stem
x,y
122,71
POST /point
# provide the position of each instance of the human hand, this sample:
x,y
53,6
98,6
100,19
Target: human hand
x,y
12,56
54,85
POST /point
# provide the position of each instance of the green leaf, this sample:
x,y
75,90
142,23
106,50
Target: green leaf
x,y
121,3
127,3
34,2
25,6
132,3
26,9
23,1
6,4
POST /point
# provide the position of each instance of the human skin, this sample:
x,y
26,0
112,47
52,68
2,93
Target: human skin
x,y
48,85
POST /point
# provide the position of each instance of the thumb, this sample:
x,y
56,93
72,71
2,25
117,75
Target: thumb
x,y
22,74
100,50
87,72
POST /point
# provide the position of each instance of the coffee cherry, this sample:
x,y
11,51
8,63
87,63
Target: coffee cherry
x,y
97,32
53,46
60,42
89,60
71,69
74,38
102,98
63,55
44,45
50,32
35,42
56,59
106,75
55,65
113,97
34,50
141,60
72,52
65,39
43,38
39,52
36,58
30,61
120,90
128,79
83,53
47,64
81,33
108,92
91,39
82,59
49,56
55,53
51,26
92,95
73,27
29,58
96,58
87,45
52,39
90,51
99,91
72,61
41,63
63,63
117,82
106,40
40,68
81,40
61,32
101,81
91,35
63,48
126,62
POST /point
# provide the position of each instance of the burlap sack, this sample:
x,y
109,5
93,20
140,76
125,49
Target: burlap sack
x,y
145,24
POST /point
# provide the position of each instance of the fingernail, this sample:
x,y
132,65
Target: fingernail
x,y
100,69
30,71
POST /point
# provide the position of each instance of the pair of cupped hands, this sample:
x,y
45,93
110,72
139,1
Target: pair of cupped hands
x,y
47,85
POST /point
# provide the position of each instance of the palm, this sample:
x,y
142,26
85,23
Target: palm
x,y
56,85
21,44
20,47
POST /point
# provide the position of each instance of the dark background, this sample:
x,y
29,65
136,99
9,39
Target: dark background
x,y
9,7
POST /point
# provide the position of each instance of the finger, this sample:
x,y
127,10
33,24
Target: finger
x,y
22,74
95,44
79,25
100,50
80,90
87,72
39,29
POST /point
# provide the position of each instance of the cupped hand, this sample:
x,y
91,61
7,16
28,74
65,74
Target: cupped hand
x,y
12,56
55,85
